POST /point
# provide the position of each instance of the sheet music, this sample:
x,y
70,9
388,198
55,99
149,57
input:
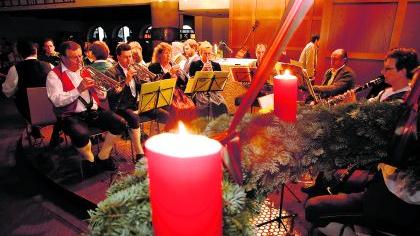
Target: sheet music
x,y
267,101
166,92
220,79
241,74
148,96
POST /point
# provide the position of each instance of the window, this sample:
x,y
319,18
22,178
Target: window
x,y
124,33
186,32
99,34
147,35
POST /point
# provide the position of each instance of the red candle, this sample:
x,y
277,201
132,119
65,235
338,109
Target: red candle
x,y
285,96
185,172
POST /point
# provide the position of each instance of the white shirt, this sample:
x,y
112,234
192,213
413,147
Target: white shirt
x,y
61,98
308,58
9,86
382,96
131,84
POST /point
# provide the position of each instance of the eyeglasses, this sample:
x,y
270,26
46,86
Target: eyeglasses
x,y
388,68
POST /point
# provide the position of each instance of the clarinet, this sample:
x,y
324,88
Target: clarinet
x,y
336,99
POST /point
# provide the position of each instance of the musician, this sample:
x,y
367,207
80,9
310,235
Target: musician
x,y
50,55
76,104
390,196
28,73
182,108
339,78
87,50
100,55
202,101
259,54
137,52
309,56
124,102
190,52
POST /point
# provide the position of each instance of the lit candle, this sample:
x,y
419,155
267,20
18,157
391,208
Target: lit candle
x,y
285,96
185,172
215,50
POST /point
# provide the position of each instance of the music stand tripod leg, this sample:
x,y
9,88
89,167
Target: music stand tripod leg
x,y
279,218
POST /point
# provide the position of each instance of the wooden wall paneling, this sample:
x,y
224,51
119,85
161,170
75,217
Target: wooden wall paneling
x,y
366,29
410,36
362,27
268,14
324,39
398,24
241,15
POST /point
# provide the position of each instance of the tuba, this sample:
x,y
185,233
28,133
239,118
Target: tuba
x,y
142,73
102,81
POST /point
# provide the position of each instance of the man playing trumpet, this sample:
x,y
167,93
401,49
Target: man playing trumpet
x,y
76,102
124,102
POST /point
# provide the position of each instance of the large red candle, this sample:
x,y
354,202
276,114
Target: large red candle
x,y
185,172
285,96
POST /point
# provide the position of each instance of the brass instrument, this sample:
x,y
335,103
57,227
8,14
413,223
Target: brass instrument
x,y
142,73
102,81
207,66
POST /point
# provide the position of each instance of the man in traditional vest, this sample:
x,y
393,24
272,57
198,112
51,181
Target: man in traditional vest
x,y
76,102
29,73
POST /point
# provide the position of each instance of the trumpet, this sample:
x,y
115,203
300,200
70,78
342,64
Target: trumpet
x,y
102,81
142,73
207,66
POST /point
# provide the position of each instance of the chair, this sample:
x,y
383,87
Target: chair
x,y
40,110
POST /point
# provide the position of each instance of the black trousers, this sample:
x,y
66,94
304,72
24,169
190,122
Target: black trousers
x,y
374,207
130,117
77,125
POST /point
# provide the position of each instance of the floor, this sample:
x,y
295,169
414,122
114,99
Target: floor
x,y
24,209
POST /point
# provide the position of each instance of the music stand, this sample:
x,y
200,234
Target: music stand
x,y
149,93
166,92
279,218
207,81
297,69
241,74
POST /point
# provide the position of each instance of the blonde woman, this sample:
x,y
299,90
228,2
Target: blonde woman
x,y
203,99
182,107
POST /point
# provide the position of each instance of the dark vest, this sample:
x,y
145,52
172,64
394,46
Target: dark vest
x,y
32,73
124,99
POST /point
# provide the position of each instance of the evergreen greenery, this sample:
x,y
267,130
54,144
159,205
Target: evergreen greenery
x,y
273,152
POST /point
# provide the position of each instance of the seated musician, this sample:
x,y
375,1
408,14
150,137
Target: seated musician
x,y
190,52
100,55
202,101
182,108
137,52
76,104
390,195
124,102
339,78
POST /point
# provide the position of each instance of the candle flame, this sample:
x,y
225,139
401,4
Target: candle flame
x,y
287,72
181,128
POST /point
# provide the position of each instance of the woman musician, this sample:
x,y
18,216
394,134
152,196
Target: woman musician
x,y
202,101
182,107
